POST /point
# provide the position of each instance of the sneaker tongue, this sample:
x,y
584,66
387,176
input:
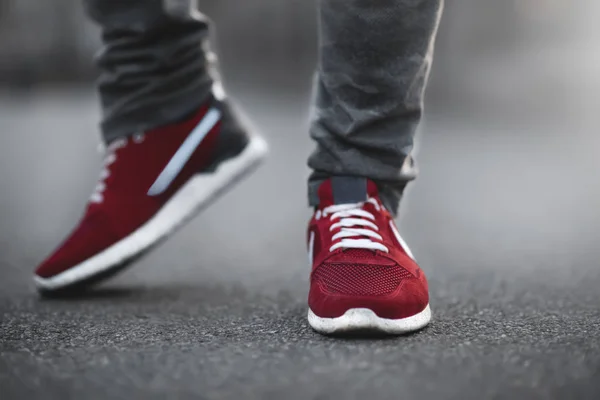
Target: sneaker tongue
x,y
345,190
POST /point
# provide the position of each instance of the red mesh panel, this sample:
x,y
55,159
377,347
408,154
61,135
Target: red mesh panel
x,y
360,279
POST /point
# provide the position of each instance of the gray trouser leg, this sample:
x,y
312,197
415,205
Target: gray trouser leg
x,y
375,57
153,65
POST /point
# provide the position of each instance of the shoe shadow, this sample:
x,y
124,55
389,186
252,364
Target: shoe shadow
x,y
374,335
181,293
92,294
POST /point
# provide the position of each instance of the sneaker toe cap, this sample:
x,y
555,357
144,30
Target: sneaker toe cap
x,y
87,240
410,298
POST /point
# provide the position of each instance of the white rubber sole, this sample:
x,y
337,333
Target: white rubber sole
x,y
364,319
196,194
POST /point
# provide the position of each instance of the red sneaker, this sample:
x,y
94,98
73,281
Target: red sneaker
x,y
152,183
364,276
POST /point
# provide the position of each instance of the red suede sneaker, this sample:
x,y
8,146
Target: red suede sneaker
x,y
151,184
364,276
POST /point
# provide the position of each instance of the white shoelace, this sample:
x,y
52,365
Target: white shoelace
x,y
109,159
355,223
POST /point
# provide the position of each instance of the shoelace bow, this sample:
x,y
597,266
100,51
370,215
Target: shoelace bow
x,y
357,229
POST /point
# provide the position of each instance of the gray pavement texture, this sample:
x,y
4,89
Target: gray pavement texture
x,y
503,219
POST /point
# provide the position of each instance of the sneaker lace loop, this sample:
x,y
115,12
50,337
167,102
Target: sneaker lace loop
x,y
109,159
356,229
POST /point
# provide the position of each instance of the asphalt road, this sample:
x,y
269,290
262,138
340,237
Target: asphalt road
x,y
503,219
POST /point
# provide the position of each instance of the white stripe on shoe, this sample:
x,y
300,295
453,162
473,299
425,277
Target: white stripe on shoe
x,y
401,241
311,249
185,151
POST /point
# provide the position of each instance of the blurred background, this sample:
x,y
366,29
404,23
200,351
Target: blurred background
x,y
503,217
490,51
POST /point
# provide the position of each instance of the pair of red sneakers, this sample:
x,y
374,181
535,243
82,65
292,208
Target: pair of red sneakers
x,y
363,274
